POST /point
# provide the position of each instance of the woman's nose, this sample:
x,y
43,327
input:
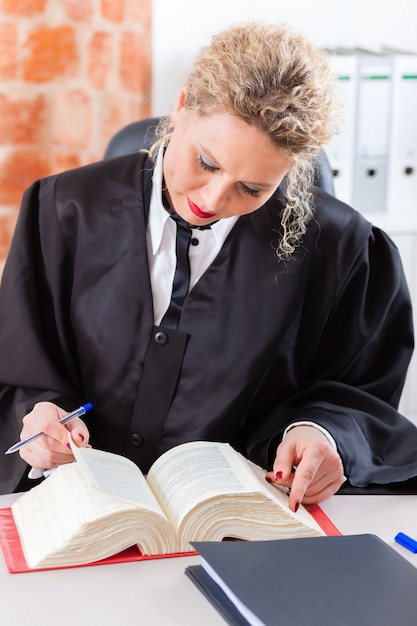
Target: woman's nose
x,y
215,195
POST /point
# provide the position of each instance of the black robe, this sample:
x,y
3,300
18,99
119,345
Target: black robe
x,y
325,337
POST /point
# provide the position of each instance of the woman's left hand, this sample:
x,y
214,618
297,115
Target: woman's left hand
x,y
318,467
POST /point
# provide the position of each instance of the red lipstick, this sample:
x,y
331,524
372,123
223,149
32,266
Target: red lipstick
x,y
197,211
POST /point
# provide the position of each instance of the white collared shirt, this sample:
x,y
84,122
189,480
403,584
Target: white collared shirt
x,y
161,239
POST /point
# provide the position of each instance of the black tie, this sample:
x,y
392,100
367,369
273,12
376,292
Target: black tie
x,y
181,282
182,274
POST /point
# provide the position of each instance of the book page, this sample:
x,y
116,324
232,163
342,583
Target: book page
x,y
197,472
116,476
65,520
192,472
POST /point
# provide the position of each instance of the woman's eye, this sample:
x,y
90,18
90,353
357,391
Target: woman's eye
x,y
251,192
209,167
206,166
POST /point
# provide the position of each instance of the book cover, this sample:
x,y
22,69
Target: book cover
x,y
343,580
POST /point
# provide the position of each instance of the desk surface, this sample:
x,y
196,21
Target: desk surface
x,y
158,592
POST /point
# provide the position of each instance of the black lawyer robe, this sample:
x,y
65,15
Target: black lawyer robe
x,y
325,337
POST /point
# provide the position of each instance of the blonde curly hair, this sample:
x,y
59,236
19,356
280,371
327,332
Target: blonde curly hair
x,y
275,79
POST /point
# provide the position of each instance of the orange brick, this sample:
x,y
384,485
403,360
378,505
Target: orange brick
x,y
140,109
22,121
140,12
24,8
135,62
8,51
72,119
50,52
114,118
18,171
7,226
110,85
113,10
93,157
78,10
99,59
61,161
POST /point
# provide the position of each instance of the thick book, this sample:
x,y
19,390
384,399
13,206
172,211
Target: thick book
x,y
102,504
342,580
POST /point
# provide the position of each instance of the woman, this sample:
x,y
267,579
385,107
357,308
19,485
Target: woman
x,y
294,339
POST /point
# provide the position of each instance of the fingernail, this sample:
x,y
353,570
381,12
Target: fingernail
x,y
268,480
68,445
297,504
278,476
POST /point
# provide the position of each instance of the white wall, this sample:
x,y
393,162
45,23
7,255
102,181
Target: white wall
x,y
181,27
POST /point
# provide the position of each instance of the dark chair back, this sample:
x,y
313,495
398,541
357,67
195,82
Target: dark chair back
x,y
132,138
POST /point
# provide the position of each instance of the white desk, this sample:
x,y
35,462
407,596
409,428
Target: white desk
x,y
384,516
158,592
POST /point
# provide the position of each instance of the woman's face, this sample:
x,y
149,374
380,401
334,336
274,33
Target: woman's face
x,y
218,166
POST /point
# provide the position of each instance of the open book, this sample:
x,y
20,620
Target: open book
x,y
199,491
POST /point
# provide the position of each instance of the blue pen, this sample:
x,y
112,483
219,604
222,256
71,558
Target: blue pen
x,y
77,413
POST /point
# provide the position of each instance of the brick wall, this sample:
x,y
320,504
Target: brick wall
x,y
72,72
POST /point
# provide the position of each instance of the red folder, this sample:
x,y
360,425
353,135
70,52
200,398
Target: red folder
x,y
16,562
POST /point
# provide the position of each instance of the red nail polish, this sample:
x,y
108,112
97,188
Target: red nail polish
x,y
297,504
268,480
278,476
68,446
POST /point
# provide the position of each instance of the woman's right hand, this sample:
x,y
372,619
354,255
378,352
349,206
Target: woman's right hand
x,y
52,449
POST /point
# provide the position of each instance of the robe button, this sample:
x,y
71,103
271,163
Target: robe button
x,y
161,338
136,440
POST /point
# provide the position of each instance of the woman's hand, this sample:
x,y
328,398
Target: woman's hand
x,y
52,449
318,467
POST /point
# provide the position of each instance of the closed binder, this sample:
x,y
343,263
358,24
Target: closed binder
x,y
341,148
373,114
353,580
402,170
